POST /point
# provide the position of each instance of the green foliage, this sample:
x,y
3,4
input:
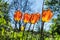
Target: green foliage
x,y
8,33
51,2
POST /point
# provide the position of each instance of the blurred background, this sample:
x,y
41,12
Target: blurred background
x,y
7,22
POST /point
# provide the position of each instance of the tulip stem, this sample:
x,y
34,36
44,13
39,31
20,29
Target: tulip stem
x,y
33,31
22,35
19,25
15,26
23,30
28,32
42,34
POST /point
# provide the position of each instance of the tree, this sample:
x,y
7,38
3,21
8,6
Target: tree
x,y
53,5
4,18
58,24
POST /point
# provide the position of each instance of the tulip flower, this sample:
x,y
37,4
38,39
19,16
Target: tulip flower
x,y
38,16
17,15
26,18
46,15
34,18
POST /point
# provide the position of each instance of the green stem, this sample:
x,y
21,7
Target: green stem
x,y
15,25
42,34
53,34
13,35
28,32
24,30
19,25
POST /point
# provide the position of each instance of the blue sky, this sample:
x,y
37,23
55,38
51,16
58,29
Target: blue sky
x,y
36,7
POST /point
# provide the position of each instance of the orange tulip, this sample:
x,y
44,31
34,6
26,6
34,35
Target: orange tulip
x,y
38,16
34,18
17,15
26,18
46,15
